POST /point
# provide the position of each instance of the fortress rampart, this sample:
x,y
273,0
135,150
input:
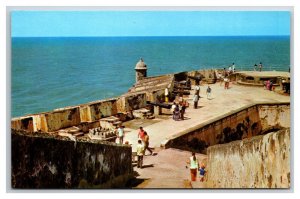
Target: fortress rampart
x,y
259,162
245,122
41,160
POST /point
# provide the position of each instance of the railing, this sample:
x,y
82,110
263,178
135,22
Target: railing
x,y
250,68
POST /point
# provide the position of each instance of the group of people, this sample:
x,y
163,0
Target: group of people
x,y
196,96
259,67
178,109
231,69
194,166
269,85
143,145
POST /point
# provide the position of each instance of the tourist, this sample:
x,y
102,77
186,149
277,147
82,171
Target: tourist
x,y
260,66
202,172
183,107
197,90
140,154
146,143
193,162
208,92
173,109
195,100
268,85
233,67
166,95
120,134
271,86
255,67
141,133
177,113
226,85
229,70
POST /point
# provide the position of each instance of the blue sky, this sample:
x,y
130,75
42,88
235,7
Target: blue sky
x,y
148,23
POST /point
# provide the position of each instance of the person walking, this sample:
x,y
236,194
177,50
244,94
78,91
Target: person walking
x,y
173,109
146,143
226,85
197,90
208,92
255,67
140,154
141,133
121,134
260,66
166,95
177,113
195,100
229,70
233,67
194,165
183,107
202,172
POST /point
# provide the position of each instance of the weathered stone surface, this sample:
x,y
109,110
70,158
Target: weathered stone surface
x,y
141,113
85,113
109,122
258,162
103,108
274,116
43,161
62,118
130,102
243,123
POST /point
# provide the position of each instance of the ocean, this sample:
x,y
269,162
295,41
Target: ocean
x,y
50,73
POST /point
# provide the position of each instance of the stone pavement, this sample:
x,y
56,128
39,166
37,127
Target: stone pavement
x,y
170,173
222,102
163,171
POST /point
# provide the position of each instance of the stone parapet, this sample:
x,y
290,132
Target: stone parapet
x,y
41,160
258,162
246,122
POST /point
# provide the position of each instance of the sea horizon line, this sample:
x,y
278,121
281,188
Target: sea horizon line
x,y
150,36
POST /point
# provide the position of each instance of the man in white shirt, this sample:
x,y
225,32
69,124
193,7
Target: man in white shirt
x,y
140,154
166,95
121,134
173,109
197,90
195,100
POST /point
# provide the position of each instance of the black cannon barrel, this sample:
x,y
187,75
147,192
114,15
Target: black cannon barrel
x,y
163,105
181,92
183,87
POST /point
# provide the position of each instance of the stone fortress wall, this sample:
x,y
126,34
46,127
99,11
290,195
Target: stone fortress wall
x,y
41,160
245,122
258,162
149,89
249,148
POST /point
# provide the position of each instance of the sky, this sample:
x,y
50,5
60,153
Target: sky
x,y
148,23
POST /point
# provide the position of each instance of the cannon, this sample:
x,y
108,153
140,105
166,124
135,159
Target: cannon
x,y
162,105
179,86
159,106
183,92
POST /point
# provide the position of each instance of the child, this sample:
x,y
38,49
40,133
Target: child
x,y
202,172
208,92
